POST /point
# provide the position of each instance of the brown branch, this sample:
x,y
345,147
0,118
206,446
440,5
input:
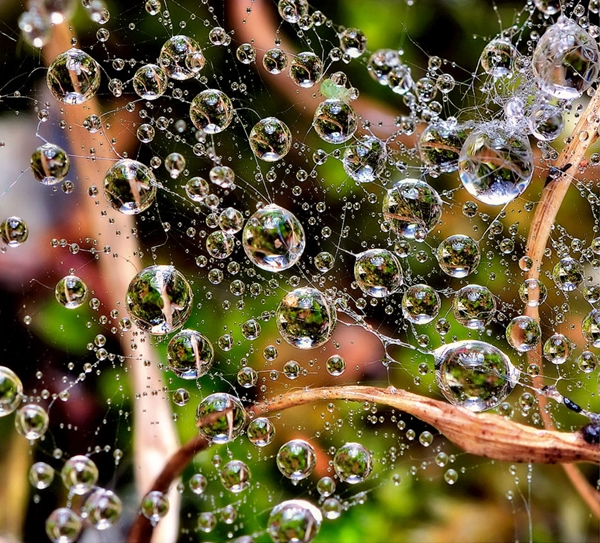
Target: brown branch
x,y
481,434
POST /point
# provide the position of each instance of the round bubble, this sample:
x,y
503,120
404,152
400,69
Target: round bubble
x,y
71,292
220,244
181,57
231,220
294,521
227,425
364,160
292,10
251,329
150,82
159,299
198,483
548,7
63,525
273,238
474,374
50,164
440,144
275,61
190,354
523,333
14,231
197,188
79,474
211,111
498,57
296,459
495,165
130,186
381,63
324,261
235,476
246,53
36,27
222,176
533,292
353,463
154,506
305,318
270,139
590,327
306,69
41,475
546,123
73,77
458,255
473,306
353,42
335,365
420,304
557,349
102,509
568,274
335,121
247,377
378,272
11,391
413,208
261,431
31,421
175,164
566,60
292,369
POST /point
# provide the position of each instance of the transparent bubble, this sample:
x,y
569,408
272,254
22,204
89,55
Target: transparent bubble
x,y
36,27
14,231
181,397
198,483
548,7
412,206
247,377
546,123
153,7
587,361
63,525
353,463
71,292
451,476
211,111
353,42
332,508
335,121
400,80
197,188
50,164
568,274
220,244
566,60
474,306
335,365
175,164
294,521
458,255
150,82
590,327
159,299
11,391
305,318
306,69
190,354
102,509
145,133
41,475
251,329
270,139
273,238
364,160
474,374
440,144
79,474
235,476
292,369
154,506
533,292
207,522
523,333
324,261
225,415
31,421
231,220
420,304
495,165
498,57
73,77
246,53
261,432
378,272
92,123
381,63
326,486
275,61
181,57
219,36
130,186
222,176
296,459
557,349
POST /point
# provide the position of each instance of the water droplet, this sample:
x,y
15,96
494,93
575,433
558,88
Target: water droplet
x,y
73,77
190,354
50,164
11,390
498,57
41,475
63,526
523,333
557,349
306,69
458,255
181,57
261,432
378,272
79,474
235,476
440,144
352,463
335,365
102,509
364,160
275,61
568,274
296,459
154,506
31,421
335,121
71,292
198,483
420,304
225,427
533,292
150,82
270,139
353,42
211,111
294,521
130,186
14,231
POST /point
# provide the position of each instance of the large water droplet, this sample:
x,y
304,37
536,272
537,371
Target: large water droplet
x,y
378,272
73,77
50,164
130,186
63,526
211,111
79,474
181,57
102,509
190,354
353,463
226,417
294,521
296,459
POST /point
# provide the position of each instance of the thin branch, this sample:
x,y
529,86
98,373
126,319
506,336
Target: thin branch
x,y
482,434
